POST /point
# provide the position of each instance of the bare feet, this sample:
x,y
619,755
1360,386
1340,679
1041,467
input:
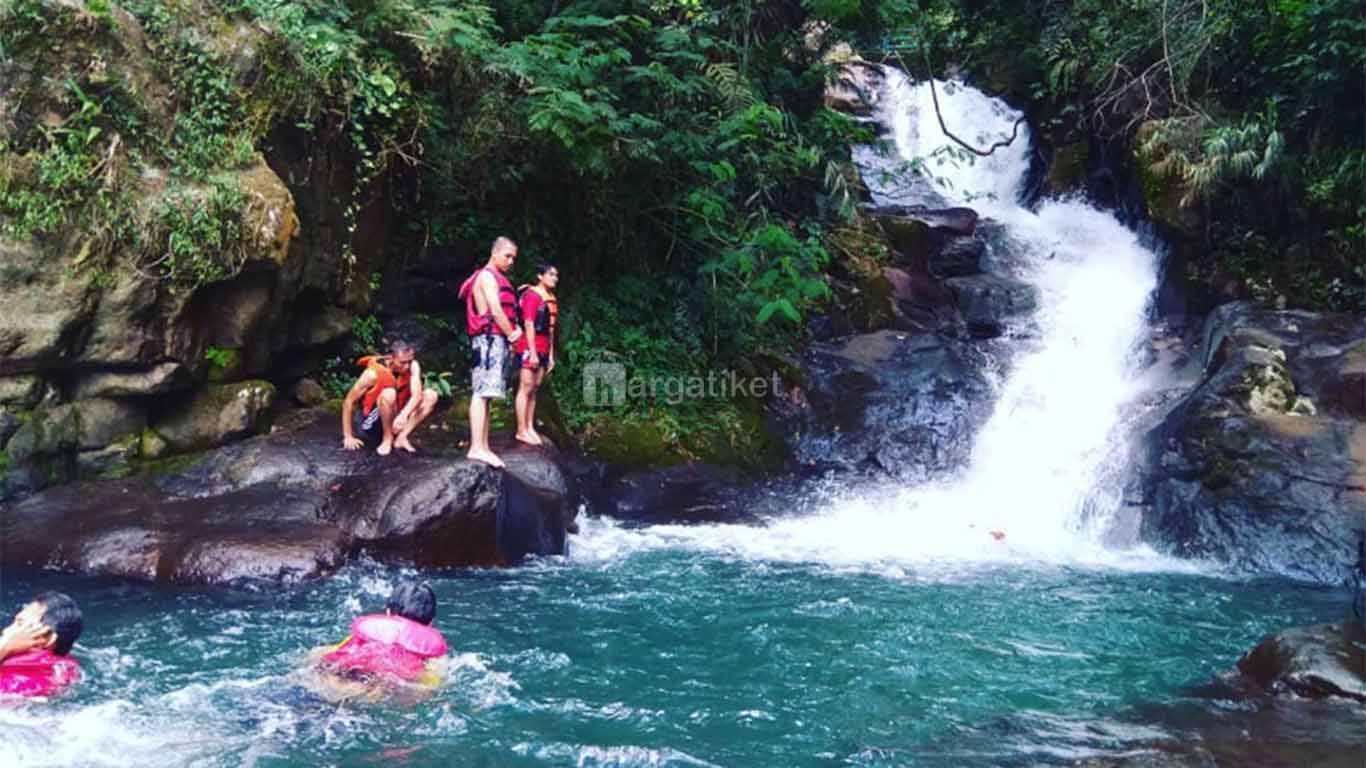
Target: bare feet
x,y
403,443
488,457
530,438
385,447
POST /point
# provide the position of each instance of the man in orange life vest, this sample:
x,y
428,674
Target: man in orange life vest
x,y
393,402
490,309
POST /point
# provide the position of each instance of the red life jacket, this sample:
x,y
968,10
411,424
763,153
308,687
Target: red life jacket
x,y
477,324
38,672
544,314
381,644
384,379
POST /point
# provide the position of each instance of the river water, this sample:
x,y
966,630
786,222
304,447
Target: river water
x,y
886,627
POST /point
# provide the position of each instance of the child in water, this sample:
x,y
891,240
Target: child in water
x,y
34,648
387,652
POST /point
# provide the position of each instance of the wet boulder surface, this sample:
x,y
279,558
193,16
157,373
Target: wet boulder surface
x,y
292,505
1296,699
1263,464
895,403
1322,661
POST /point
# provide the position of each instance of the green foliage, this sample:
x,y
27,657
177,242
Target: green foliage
x,y
439,382
1250,114
64,172
201,228
219,357
367,333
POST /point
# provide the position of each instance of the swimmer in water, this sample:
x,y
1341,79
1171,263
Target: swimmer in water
x,y
35,648
397,651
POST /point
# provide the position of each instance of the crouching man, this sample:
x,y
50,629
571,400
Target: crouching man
x,y
393,402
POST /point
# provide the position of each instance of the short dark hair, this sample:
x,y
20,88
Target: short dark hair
x,y
544,267
416,602
399,346
63,617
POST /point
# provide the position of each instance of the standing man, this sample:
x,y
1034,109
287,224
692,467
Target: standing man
x,y
393,402
490,320
540,313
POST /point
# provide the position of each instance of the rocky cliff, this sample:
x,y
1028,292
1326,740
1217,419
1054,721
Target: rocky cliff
x,y
151,301
1263,464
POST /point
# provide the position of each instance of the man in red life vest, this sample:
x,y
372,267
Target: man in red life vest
x,y
540,312
34,648
393,402
490,321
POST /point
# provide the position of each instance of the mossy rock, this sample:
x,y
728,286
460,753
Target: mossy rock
x,y
910,238
643,444
224,365
218,414
747,444
871,303
45,433
167,465
1067,171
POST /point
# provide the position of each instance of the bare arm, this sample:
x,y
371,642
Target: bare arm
x,y
488,290
414,394
358,390
530,331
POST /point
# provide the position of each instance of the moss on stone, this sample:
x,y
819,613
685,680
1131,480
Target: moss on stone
x,y
224,364
643,444
166,465
1067,172
870,304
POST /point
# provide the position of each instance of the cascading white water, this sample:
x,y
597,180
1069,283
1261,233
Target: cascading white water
x,y
1040,459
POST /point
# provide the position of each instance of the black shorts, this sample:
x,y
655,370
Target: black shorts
x,y
367,427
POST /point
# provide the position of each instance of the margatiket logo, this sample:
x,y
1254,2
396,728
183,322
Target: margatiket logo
x,y
604,384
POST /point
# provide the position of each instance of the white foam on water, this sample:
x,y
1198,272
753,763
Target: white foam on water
x,y
1042,474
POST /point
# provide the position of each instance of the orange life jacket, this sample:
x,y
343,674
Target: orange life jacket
x,y
384,379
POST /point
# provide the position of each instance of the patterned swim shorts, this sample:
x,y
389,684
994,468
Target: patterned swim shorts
x,y
488,377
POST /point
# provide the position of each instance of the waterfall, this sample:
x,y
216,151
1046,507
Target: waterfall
x,y
1043,473
1041,458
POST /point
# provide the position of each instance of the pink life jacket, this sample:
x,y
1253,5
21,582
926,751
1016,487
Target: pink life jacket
x,y
381,644
37,672
477,324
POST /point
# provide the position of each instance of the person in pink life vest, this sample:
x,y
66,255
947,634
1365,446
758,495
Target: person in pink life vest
x,y
397,646
34,648
491,322
540,313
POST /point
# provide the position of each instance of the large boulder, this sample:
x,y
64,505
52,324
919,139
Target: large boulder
x,y
989,303
1263,465
85,315
130,529
293,505
899,403
216,415
1327,660
684,493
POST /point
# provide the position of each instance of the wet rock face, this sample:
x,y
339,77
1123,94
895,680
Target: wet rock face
x,y
293,505
900,403
989,302
1263,464
1328,660
218,414
72,332
686,493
